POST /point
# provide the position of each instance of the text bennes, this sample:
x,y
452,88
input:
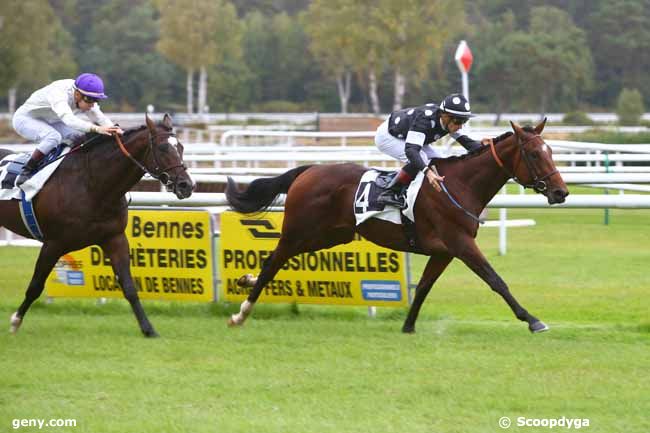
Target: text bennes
x,y
171,259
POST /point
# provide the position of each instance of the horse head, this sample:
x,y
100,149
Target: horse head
x,y
533,165
165,162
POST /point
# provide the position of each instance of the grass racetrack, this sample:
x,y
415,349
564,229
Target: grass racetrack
x,y
334,369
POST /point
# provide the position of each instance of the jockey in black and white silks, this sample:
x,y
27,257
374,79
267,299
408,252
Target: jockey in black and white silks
x,y
407,136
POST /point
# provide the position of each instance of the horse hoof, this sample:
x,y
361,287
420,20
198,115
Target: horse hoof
x,y
537,327
15,323
246,281
152,334
408,329
232,322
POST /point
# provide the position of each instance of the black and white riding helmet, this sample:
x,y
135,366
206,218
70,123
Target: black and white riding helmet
x,y
456,105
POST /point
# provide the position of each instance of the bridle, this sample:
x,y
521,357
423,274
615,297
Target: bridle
x,y
539,183
161,175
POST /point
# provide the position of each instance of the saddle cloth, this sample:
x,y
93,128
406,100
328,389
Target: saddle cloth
x,y
365,199
11,166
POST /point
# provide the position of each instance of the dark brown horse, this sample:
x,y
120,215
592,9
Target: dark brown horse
x,y
84,203
319,213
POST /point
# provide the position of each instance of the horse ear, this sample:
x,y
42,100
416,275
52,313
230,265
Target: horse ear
x,y
540,127
516,128
167,121
150,124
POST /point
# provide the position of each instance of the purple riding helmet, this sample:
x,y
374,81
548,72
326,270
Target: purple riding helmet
x,y
90,85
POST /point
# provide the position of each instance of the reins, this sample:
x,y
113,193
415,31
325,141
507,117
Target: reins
x,y
72,150
539,183
162,175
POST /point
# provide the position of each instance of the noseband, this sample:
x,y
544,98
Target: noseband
x,y
161,175
539,183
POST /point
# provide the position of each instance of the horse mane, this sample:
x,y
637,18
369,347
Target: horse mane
x,y
479,150
101,138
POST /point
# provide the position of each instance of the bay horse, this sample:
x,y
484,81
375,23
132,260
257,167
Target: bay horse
x,y
83,203
319,213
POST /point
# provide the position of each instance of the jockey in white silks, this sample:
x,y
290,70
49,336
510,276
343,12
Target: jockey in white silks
x,y
49,116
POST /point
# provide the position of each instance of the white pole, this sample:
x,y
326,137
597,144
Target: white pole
x,y
503,231
465,85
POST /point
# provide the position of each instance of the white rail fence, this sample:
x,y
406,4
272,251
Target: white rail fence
x,y
240,154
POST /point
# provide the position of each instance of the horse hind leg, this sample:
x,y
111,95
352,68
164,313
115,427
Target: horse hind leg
x,y
270,268
47,258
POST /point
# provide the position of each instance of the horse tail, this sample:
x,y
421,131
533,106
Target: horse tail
x,y
261,193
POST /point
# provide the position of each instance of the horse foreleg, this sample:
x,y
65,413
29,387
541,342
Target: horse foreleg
x,y
47,257
435,266
477,262
117,249
270,267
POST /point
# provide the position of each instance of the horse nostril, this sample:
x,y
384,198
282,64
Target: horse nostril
x,y
560,194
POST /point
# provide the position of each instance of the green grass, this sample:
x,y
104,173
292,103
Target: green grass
x,y
333,369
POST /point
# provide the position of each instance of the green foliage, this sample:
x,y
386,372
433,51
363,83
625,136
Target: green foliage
x,y
32,58
611,137
619,39
127,37
527,54
278,107
577,118
629,107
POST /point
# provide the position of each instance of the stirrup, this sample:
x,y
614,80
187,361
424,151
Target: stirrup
x,y
23,177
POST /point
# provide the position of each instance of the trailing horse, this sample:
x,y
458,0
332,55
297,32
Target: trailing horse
x,y
84,203
319,213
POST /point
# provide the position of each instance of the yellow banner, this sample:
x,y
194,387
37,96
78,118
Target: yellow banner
x,y
358,273
171,258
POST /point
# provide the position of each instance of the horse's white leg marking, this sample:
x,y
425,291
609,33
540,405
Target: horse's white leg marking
x,y
15,323
244,310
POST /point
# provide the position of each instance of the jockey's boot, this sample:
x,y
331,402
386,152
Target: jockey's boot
x,y
30,167
395,192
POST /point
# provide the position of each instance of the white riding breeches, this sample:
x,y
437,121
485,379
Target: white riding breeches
x,y
46,135
395,147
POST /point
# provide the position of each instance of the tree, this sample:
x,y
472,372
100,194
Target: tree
x,y
495,73
127,36
565,65
629,107
327,23
276,52
418,31
196,35
548,64
38,57
620,41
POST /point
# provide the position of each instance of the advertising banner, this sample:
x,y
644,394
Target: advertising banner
x,y
171,258
357,273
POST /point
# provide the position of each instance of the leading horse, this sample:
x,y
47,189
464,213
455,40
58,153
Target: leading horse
x,y
84,203
319,213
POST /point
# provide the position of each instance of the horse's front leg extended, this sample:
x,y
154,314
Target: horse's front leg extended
x,y
435,266
47,257
117,249
477,262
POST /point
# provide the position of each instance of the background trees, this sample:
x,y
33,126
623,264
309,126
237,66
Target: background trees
x,y
334,55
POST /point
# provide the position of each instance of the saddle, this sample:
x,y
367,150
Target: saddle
x,y
12,165
372,183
